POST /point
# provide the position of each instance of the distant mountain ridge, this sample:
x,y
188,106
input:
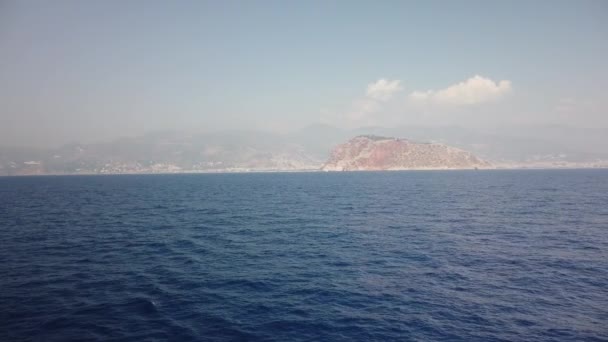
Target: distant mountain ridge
x,y
163,152
304,149
374,153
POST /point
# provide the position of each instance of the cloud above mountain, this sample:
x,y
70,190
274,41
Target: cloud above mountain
x,y
474,90
376,94
383,90
386,102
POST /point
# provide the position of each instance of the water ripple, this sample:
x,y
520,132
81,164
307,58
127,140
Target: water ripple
x,y
452,256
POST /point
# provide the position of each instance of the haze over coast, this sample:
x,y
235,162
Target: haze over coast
x,y
115,87
315,170
310,149
507,82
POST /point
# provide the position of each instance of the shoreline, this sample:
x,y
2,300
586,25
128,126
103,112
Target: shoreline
x,y
194,172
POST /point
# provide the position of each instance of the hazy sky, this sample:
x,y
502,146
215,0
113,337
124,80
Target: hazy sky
x,y
95,70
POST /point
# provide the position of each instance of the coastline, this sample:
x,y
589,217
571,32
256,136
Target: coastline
x,y
253,171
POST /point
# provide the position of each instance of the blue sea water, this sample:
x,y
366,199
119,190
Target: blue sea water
x,y
378,256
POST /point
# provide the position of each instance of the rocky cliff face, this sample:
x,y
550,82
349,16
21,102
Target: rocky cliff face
x,y
367,153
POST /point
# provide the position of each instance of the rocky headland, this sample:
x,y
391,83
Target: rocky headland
x,y
373,153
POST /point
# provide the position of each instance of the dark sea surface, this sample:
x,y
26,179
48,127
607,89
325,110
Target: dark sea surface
x,y
378,256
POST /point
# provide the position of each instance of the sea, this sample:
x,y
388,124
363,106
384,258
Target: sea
x,y
486,255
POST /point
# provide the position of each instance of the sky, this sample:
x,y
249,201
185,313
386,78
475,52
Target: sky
x,y
97,70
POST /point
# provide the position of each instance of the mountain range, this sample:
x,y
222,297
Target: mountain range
x,y
305,149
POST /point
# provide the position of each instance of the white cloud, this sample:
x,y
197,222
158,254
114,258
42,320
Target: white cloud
x,y
383,103
376,95
383,90
476,89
